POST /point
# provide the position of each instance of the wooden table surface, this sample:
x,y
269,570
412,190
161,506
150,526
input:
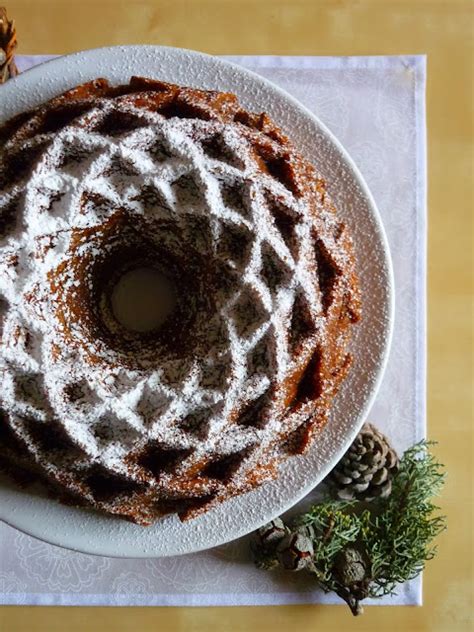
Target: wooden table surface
x,y
444,30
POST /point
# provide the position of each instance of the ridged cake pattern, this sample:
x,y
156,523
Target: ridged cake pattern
x,y
103,180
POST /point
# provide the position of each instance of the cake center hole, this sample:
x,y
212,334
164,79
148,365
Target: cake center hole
x,y
142,299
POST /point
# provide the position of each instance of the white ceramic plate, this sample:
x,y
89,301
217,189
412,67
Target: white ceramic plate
x,y
91,532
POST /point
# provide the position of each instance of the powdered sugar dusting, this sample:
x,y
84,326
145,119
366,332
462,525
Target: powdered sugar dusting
x,y
193,189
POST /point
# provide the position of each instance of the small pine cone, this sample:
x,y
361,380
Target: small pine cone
x,y
366,470
351,567
271,534
265,542
295,552
8,44
352,571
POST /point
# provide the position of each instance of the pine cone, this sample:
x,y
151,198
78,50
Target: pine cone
x,y
295,552
352,573
366,470
7,46
265,542
270,534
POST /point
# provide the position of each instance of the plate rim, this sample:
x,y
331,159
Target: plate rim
x,y
40,70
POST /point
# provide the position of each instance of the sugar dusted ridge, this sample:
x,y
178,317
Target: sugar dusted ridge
x,y
103,181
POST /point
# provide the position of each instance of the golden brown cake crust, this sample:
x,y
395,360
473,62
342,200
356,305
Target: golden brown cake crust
x,y
103,179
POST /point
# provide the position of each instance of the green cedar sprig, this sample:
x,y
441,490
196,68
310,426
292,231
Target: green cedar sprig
x,y
332,526
401,530
366,549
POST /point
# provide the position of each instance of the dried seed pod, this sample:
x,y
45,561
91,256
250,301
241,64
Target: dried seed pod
x,y
352,572
295,552
272,533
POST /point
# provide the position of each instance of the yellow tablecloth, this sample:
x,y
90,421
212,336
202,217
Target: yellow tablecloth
x,y
443,30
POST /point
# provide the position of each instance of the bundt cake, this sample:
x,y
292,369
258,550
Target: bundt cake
x,y
217,205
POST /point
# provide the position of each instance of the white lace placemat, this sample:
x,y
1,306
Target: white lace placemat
x,y
376,108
